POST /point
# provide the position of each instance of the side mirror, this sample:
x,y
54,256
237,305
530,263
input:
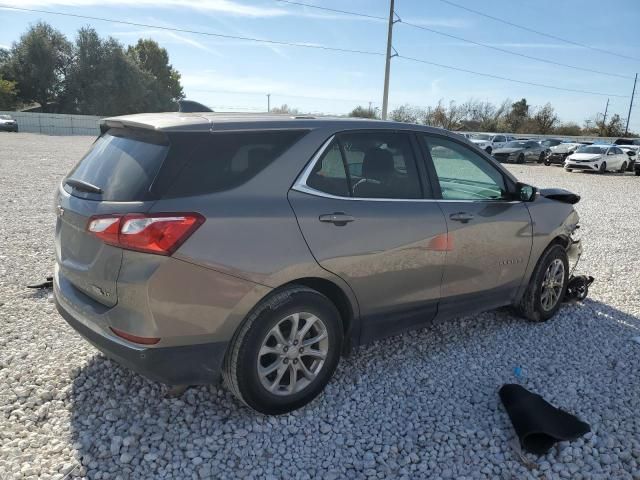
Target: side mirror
x,y
631,153
526,193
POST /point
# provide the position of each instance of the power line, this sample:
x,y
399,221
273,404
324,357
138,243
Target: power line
x,y
304,45
523,82
529,29
334,10
285,95
196,32
503,50
510,52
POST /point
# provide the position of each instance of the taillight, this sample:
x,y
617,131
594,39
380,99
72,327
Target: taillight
x,y
159,233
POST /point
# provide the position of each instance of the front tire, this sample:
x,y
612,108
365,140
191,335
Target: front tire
x,y
286,352
520,159
603,168
623,167
547,286
488,150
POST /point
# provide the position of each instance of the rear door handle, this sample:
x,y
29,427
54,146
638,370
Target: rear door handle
x,y
463,217
337,218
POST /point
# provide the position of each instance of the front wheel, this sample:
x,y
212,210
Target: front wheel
x,y
521,159
603,167
623,168
285,352
488,150
541,157
547,286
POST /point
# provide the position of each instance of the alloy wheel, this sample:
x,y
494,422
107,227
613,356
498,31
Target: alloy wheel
x,y
293,353
552,285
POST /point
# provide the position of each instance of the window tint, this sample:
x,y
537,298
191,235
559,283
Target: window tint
x,y
462,174
499,138
381,165
214,162
533,144
328,174
618,151
122,163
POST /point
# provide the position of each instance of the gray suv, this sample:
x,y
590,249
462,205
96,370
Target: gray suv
x,y
262,248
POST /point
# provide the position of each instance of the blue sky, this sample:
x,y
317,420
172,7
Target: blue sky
x,y
236,75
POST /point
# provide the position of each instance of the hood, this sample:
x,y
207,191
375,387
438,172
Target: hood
x,y
564,148
587,157
508,150
560,195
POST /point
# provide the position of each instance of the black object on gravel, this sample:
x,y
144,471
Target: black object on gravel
x,y
539,424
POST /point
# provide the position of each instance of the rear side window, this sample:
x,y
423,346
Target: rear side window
x,y
368,165
123,163
214,162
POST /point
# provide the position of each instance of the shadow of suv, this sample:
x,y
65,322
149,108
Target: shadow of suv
x,y
263,247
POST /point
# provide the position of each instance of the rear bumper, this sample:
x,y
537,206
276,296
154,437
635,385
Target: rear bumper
x,y
184,365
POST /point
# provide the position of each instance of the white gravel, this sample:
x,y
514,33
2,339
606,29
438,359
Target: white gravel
x,y
422,405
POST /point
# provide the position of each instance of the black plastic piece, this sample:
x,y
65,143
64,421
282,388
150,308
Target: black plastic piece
x,y
48,283
189,106
561,195
538,424
578,287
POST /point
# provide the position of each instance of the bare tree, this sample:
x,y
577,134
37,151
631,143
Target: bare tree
x,y
405,113
284,108
545,119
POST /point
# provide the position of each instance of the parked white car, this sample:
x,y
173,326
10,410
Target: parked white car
x,y
489,141
632,152
597,158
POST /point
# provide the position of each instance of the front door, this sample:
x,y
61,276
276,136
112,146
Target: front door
x,y
490,235
362,210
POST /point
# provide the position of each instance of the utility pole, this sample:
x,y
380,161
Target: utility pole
x,y
626,129
387,67
268,102
370,108
604,119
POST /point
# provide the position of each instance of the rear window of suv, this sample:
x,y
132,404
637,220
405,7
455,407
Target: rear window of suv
x,y
122,163
135,165
221,161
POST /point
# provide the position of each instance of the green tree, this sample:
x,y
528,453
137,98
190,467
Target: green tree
x,y
103,79
518,116
163,88
38,63
362,112
8,94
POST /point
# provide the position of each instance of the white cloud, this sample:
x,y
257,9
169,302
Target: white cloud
x,y
167,37
439,22
219,6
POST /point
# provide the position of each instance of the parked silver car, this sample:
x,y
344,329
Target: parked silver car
x,y
265,247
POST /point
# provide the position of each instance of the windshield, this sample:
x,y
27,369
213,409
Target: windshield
x,y
480,136
591,149
515,145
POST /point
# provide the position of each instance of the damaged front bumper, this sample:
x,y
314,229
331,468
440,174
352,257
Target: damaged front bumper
x,y
574,252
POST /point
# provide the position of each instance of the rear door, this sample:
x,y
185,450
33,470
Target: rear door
x,y
490,235
499,141
362,207
114,177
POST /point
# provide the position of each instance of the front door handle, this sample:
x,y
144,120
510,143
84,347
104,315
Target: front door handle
x,y
337,218
463,217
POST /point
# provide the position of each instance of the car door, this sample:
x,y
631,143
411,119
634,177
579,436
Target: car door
x,y
613,159
489,233
364,209
532,151
499,141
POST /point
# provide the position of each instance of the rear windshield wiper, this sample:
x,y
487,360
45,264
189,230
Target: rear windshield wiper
x,y
82,185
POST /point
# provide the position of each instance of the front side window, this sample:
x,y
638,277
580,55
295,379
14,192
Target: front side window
x,y
368,165
462,174
499,138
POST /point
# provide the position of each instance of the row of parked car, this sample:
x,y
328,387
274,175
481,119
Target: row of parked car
x,y
621,156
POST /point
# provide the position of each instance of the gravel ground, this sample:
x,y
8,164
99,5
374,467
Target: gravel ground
x,y
422,405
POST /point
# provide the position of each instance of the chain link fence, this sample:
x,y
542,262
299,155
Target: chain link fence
x,y
56,123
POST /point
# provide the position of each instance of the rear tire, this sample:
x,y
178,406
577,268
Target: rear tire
x,y
623,168
603,168
552,269
271,367
542,157
488,150
568,169
520,159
